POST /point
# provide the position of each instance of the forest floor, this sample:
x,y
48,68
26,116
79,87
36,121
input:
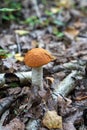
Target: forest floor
x,y
60,28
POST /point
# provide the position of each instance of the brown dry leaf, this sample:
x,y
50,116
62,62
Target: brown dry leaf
x,y
34,44
42,93
71,32
51,79
68,126
51,120
64,105
81,53
10,64
43,129
81,98
84,57
6,40
64,101
79,24
12,91
15,124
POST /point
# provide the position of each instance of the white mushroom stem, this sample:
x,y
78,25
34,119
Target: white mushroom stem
x,y
37,77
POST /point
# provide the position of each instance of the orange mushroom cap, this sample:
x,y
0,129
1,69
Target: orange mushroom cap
x,y
37,57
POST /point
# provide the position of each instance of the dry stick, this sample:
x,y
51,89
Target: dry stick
x,y
67,85
23,77
33,124
3,119
18,43
73,65
36,9
5,103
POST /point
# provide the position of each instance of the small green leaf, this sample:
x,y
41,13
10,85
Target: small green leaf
x,y
57,33
57,22
5,53
5,17
60,34
8,10
13,85
49,13
12,17
30,19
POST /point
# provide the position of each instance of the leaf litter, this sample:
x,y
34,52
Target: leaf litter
x,y
63,32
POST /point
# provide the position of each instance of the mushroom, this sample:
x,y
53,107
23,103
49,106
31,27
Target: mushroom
x,y
36,58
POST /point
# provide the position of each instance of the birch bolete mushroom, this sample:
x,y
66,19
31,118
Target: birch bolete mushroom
x,y
36,58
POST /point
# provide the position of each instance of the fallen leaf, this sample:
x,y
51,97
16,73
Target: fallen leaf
x,y
18,57
66,3
21,32
68,126
71,32
15,124
55,10
34,44
79,24
64,101
12,91
51,79
51,120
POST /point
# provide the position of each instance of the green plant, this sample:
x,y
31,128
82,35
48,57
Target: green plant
x,y
11,10
84,10
58,22
13,85
32,21
57,33
4,53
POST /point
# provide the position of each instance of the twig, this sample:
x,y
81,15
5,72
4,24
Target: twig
x,y
20,77
67,85
5,103
18,43
73,65
36,9
25,77
33,125
2,119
